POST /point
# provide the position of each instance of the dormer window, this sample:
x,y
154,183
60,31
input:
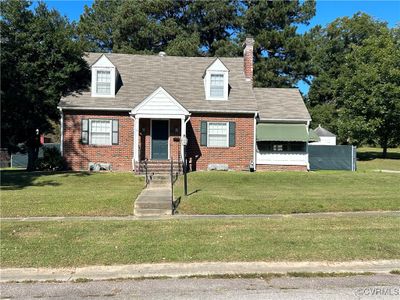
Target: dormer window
x,y
103,83
216,81
217,86
104,78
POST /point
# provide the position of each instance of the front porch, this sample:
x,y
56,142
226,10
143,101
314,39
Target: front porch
x,y
159,129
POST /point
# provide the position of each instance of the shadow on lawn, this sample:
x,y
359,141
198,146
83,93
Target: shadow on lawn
x,y
371,155
20,179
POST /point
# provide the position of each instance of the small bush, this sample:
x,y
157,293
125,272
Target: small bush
x,y
51,160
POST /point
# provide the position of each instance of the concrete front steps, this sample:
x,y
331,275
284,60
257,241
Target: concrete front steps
x,y
159,167
156,198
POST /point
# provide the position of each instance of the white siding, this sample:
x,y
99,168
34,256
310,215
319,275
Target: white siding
x,y
290,159
160,103
326,140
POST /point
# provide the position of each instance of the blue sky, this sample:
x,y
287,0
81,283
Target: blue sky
x,y
327,11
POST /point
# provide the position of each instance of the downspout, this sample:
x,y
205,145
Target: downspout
x,y
62,131
254,141
133,143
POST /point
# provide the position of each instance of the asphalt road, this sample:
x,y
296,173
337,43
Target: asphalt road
x,y
354,287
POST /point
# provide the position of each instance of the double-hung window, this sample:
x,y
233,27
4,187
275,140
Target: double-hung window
x,y
103,82
217,86
218,134
100,132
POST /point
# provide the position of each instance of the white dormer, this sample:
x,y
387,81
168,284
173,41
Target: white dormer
x,y
216,81
104,78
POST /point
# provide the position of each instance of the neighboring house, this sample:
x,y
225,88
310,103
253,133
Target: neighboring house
x,y
326,137
141,107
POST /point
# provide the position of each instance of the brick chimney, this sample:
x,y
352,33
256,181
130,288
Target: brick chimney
x,y
248,58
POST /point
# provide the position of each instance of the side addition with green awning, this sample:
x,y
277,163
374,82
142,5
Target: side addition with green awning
x,y
281,132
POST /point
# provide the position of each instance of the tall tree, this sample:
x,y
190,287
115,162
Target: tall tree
x,y
281,54
329,47
369,92
178,27
40,62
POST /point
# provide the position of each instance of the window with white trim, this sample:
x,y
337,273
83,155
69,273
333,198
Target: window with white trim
x,y
103,82
217,85
218,134
100,132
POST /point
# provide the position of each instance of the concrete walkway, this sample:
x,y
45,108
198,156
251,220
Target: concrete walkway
x,y
193,269
190,217
156,199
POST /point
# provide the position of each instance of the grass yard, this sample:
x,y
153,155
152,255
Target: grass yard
x,y
294,192
68,194
62,244
370,159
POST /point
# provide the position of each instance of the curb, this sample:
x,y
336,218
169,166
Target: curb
x,y
176,270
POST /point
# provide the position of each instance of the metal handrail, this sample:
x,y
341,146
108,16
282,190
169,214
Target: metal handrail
x,y
146,172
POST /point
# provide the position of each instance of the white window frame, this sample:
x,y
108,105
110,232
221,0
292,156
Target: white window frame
x,y
227,134
216,68
218,86
97,81
90,132
224,96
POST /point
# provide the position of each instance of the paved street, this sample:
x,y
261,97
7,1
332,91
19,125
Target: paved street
x,y
379,286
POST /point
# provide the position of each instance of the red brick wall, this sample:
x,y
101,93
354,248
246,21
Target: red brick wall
x,y
120,156
280,168
237,157
78,155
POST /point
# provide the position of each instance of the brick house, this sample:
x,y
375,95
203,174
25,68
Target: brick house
x,y
141,107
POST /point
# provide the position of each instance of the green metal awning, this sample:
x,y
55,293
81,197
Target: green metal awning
x,y
313,136
281,132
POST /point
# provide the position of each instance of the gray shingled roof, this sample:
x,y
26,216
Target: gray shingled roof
x,y
180,76
280,104
320,131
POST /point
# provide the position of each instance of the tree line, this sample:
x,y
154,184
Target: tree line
x,y
351,65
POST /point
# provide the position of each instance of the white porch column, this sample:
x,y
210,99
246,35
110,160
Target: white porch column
x,y
136,140
183,133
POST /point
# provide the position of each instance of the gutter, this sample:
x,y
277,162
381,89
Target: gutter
x,y
95,108
222,111
285,120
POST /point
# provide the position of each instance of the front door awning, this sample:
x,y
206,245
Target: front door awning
x,y
281,132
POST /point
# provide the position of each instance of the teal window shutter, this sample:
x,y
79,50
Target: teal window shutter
x,y
85,131
203,133
232,134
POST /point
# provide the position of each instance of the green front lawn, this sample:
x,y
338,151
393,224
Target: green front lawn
x,y
62,244
68,194
289,192
294,192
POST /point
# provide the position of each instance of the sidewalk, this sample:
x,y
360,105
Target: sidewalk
x,y
193,269
188,217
